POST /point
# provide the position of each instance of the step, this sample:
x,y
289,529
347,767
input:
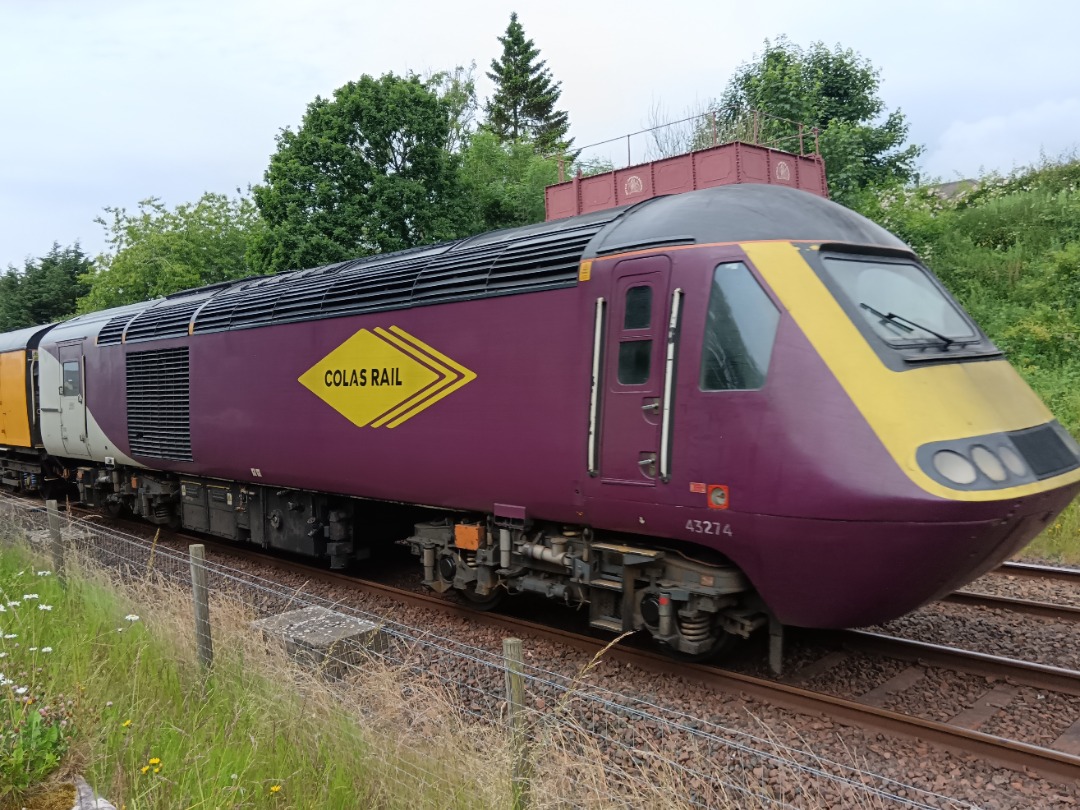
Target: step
x,y
606,624
640,552
607,584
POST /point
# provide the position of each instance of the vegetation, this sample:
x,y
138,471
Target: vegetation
x,y
259,733
158,251
367,172
837,92
45,290
523,107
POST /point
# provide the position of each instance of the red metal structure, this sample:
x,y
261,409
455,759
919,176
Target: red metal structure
x,y
728,163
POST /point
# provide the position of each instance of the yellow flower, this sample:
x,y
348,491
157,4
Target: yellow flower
x,y
275,788
126,724
154,761
145,768
157,770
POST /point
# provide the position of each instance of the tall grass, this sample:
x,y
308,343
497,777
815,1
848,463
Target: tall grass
x,y
134,713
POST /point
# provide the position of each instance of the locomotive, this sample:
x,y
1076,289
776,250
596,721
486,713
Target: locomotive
x,y
695,414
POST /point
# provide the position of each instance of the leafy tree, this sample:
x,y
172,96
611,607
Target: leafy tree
x,y
45,289
367,172
837,92
158,251
505,181
525,96
457,88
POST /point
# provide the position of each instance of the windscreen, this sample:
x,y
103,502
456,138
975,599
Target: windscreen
x,y
899,300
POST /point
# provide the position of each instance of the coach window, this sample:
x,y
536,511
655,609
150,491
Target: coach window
x,y
740,329
72,379
635,356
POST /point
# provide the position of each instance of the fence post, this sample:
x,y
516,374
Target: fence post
x,y
203,643
56,540
515,698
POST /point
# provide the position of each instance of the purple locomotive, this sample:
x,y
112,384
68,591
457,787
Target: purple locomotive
x,y
692,414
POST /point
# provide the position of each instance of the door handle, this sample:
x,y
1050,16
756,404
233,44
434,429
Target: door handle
x,y
652,406
647,463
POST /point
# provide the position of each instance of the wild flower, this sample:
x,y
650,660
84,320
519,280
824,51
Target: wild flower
x,y
27,596
126,723
154,761
14,603
46,649
275,788
43,573
11,635
131,617
20,690
44,607
144,768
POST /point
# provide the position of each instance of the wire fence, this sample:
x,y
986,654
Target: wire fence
x,y
450,711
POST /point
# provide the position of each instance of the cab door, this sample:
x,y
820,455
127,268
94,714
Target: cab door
x,y
633,373
73,401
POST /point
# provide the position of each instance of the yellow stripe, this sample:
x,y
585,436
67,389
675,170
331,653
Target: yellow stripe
x,y
446,376
466,375
906,409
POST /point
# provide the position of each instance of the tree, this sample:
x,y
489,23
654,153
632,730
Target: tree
x,y
457,88
505,181
157,252
523,106
367,172
45,289
837,92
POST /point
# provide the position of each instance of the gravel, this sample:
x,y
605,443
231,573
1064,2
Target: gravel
x,y
723,719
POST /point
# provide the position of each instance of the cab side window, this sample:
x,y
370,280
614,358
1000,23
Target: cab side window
x,y
72,379
740,329
635,356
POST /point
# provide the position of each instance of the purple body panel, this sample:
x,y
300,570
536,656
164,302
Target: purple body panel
x,y
827,527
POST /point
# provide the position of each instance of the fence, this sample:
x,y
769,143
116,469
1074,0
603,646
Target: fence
x,y
555,738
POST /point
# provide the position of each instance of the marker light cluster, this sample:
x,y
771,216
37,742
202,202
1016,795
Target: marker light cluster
x,y
964,468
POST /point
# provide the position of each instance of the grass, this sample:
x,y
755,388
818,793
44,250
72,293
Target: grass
x,y
107,663
119,698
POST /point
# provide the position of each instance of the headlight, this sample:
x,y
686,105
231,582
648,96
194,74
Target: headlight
x,y
989,464
955,467
1012,460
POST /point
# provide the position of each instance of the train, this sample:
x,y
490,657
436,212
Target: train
x,y
692,416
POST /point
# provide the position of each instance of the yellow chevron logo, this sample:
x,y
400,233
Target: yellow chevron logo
x,y
384,377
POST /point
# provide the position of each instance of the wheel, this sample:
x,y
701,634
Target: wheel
x,y
722,644
487,602
704,628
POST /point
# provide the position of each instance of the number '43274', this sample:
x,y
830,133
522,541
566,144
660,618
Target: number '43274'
x,y
708,527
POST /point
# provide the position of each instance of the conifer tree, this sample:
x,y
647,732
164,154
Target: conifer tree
x,y
523,106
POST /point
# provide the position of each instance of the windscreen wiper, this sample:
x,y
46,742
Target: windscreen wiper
x,y
900,320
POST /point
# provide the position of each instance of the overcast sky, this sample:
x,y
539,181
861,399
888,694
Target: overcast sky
x,y
107,102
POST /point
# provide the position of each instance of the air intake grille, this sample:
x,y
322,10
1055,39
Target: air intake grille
x,y
1044,451
166,320
111,332
529,259
159,404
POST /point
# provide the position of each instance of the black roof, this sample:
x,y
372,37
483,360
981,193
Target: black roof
x,y
518,260
746,212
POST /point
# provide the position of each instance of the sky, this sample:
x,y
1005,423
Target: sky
x,y
109,102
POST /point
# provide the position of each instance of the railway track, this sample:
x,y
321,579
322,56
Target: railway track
x,y
1060,761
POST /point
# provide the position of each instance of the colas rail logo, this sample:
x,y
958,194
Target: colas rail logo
x,y
384,377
